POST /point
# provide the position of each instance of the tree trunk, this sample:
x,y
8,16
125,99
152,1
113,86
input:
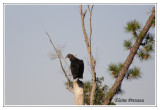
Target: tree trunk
x,y
78,92
88,45
129,59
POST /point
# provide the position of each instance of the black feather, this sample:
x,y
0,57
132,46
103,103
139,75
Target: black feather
x,y
77,66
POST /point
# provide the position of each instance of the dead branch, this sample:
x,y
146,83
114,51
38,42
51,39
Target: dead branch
x,y
90,12
88,45
83,26
59,54
67,66
71,90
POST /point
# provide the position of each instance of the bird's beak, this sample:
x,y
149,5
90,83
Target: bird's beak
x,y
66,57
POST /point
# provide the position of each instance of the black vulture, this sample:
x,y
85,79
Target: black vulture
x,y
77,66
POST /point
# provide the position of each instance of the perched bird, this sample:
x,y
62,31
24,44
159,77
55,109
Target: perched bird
x,y
77,66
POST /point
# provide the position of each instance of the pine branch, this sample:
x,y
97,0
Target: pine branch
x,y
129,59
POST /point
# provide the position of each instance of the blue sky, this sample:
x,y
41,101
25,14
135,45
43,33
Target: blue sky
x,y
32,78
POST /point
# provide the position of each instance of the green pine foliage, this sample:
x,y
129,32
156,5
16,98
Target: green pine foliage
x,y
127,44
143,55
133,26
115,69
101,91
144,51
132,73
147,46
87,89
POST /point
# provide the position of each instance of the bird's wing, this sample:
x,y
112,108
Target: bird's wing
x,y
74,68
81,68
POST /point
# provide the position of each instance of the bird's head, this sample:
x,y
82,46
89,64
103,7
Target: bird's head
x,y
70,56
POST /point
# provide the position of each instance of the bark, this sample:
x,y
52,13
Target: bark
x,y
78,92
88,45
129,59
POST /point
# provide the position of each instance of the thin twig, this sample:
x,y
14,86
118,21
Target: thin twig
x,y
71,90
83,26
90,12
67,66
59,57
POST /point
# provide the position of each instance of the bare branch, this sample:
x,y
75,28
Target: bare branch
x,y
59,57
81,12
71,90
53,55
90,12
83,26
84,13
88,45
52,44
67,66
